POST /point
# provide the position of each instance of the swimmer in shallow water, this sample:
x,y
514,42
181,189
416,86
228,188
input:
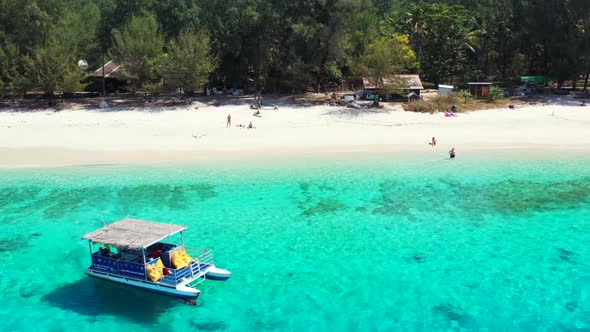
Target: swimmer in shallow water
x,y
433,142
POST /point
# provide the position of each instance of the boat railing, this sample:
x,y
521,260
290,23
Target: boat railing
x,y
196,268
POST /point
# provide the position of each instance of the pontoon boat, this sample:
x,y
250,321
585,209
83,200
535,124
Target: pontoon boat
x,y
134,254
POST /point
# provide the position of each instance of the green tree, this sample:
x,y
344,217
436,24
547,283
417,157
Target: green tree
x,y
190,60
388,56
55,68
139,47
8,68
496,93
16,71
384,58
176,16
449,35
78,28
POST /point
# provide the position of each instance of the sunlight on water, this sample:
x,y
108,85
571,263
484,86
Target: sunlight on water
x,y
374,245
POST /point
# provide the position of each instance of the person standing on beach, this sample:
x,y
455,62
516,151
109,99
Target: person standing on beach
x,y
452,153
228,124
433,142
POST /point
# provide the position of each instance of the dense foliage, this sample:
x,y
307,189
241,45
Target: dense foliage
x,y
279,45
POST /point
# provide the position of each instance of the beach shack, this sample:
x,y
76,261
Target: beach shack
x,y
410,83
444,90
531,84
534,80
114,78
370,85
480,89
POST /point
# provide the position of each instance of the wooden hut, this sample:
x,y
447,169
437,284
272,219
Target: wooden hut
x,y
480,89
114,77
411,83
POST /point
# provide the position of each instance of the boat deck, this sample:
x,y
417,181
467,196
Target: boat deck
x,y
190,273
130,265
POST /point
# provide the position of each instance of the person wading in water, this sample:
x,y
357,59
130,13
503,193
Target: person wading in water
x,y
452,153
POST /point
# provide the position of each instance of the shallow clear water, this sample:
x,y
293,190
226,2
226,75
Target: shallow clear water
x,y
375,245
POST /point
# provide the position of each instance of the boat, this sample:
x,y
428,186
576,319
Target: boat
x,y
133,253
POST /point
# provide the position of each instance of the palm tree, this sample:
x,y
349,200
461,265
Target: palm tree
x,y
414,24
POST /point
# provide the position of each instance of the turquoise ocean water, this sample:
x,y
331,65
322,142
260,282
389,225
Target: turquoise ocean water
x,y
374,245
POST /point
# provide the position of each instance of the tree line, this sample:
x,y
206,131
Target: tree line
x,y
285,46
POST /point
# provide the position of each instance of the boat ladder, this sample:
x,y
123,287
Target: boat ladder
x,y
206,258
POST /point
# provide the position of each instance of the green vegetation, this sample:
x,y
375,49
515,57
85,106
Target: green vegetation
x,y
466,96
496,93
436,104
286,46
139,45
463,100
190,60
385,56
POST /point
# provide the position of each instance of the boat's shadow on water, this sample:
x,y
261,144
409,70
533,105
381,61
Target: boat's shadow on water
x,y
94,298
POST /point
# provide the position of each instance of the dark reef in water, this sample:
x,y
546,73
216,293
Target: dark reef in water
x,y
571,306
208,326
176,197
474,201
13,245
9,195
451,312
361,209
324,206
56,203
391,203
566,255
312,199
519,197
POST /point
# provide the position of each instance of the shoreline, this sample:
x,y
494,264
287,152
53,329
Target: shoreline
x,y
36,158
189,136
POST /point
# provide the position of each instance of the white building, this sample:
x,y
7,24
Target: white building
x,y
444,90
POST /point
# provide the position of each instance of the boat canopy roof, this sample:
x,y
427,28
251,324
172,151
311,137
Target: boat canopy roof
x,y
133,233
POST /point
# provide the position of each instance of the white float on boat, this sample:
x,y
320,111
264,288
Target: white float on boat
x,y
135,255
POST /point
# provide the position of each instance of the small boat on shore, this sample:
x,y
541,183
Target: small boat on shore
x,y
135,255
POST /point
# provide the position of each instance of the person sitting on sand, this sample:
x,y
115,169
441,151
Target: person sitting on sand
x,y
511,106
452,153
433,142
250,126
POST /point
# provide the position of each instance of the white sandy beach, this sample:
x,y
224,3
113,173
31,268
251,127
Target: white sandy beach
x,y
81,137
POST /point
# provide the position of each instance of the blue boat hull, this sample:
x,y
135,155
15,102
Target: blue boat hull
x,y
188,294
